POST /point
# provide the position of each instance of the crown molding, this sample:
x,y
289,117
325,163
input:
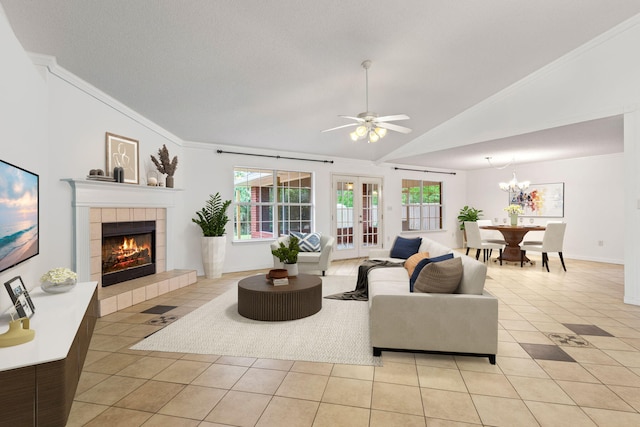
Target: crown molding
x,y
51,65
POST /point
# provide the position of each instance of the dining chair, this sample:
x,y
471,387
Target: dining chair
x,y
474,240
489,236
551,242
537,234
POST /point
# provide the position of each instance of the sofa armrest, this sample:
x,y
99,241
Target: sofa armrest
x,y
435,322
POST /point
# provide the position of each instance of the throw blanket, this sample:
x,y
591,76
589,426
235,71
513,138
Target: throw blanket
x,y
361,293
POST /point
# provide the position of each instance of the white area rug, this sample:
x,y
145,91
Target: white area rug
x,y
338,333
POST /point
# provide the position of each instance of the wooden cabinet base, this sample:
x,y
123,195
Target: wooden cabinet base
x,y
42,394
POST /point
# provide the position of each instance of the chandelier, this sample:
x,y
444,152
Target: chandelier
x,y
514,185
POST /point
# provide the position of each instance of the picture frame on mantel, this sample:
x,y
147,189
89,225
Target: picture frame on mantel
x,y
541,200
123,152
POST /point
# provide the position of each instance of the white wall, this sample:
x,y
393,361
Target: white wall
x,y
210,172
593,202
23,112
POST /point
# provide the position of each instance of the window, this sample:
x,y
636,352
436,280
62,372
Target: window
x,y
421,205
269,203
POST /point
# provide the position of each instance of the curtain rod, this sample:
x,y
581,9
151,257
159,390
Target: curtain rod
x,y
419,170
274,157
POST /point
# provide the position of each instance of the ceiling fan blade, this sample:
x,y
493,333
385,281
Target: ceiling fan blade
x,y
353,118
340,127
392,118
393,127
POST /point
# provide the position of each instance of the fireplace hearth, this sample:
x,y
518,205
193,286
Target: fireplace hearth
x,y
128,251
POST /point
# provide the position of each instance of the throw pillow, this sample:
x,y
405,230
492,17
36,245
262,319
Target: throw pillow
x,y
307,242
440,277
404,248
413,260
422,264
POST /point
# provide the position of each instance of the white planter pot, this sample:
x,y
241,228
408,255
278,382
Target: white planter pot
x,y
292,269
213,251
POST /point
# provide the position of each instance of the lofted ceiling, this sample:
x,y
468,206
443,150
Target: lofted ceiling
x,y
272,75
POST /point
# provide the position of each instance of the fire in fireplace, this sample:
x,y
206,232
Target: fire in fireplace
x,y
128,251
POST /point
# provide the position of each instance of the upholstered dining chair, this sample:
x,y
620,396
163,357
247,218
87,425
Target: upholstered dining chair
x,y
474,240
490,236
536,235
552,241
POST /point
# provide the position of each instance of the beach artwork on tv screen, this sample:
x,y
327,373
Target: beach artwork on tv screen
x,y
18,215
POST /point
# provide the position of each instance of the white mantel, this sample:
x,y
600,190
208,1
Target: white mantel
x,y
96,194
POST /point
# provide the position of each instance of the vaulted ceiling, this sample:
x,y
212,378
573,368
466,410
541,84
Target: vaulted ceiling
x,y
274,74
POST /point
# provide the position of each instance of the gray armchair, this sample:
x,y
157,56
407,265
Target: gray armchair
x,y
309,262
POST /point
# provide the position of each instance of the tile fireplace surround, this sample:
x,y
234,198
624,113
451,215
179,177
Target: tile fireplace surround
x,y
98,202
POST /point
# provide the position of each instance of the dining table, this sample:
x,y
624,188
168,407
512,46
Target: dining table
x,y
513,235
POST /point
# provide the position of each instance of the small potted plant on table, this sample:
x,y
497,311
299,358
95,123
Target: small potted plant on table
x,y
288,255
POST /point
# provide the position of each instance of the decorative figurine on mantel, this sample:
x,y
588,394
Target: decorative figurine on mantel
x,y
164,165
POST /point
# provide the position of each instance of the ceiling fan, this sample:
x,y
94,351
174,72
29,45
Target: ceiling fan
x,y
370,125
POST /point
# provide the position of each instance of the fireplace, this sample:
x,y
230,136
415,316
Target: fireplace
x,y
128,251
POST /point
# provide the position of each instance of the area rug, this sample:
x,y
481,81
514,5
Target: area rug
x,y
338,333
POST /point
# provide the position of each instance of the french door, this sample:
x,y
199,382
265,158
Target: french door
x,y
357,216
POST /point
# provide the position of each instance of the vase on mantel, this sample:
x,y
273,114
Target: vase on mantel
x,y
169,181
514,219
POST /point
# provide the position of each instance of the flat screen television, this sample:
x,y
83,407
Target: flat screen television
x,y
19,215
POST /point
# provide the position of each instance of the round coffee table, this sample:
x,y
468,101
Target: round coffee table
x,y
258,299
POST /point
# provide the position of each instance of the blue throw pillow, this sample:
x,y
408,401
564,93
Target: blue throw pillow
x,y
404,248
307,242
422,264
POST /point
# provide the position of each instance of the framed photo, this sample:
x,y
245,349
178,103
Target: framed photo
x,y
123,152
541,200
20,297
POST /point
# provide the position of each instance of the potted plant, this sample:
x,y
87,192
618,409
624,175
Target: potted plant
x,y
468,214
165,165
213,219
288,255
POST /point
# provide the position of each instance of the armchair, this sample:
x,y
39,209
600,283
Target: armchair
x,y
309,261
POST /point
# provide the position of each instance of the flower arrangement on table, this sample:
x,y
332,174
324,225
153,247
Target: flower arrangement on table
x,y
514,210
58,280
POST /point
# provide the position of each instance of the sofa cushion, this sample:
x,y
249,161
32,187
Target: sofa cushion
x,y
307,242
413,260
404,248
440,277
422,264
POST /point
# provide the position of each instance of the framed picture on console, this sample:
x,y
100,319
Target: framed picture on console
x,y
123,152
20,297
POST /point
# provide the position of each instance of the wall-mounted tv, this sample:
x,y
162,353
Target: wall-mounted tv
x,y
19,215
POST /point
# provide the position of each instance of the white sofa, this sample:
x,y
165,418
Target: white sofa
x,y
309,262
465,322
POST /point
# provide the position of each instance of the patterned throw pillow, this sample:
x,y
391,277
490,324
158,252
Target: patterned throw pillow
x,y
423,263
307,242
440,277
413,260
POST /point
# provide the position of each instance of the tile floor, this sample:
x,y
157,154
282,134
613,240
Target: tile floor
x,y
592,380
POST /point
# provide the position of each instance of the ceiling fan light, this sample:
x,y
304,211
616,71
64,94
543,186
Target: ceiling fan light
x,y
354,136
361,130
381,132
373,136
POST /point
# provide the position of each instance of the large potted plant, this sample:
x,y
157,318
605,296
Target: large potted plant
x,y
213,219
470,214
288,255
